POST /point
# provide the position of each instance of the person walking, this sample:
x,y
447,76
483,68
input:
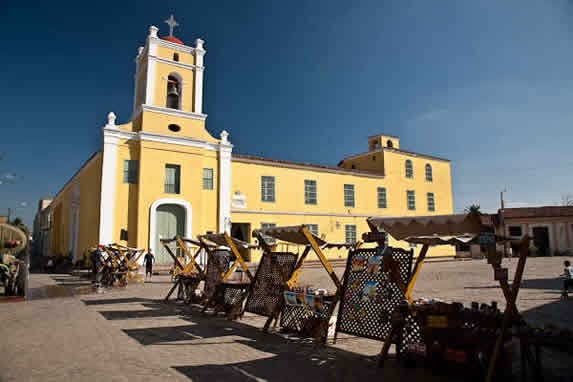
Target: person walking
x,y
148,260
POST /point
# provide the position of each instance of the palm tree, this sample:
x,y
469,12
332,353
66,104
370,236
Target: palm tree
x,y
473,209
19,223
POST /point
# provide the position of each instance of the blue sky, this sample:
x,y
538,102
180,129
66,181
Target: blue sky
x,y
487,84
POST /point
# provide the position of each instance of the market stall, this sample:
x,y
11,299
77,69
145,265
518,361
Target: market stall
x,y
303,310
187,273
222,292
130,258
451,335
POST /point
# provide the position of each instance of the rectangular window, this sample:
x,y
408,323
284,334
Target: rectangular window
x,y
431,202
172,178
412,245
348,195
268,188
350,233
515,230
310,191
207,178
268,225
411,200
313,228
130,171
382,197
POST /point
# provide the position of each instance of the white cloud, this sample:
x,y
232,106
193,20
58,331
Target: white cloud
x,y
432,115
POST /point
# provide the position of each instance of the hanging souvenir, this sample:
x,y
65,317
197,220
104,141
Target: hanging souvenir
x,y
373,265
387,293
290,298
358,264
369,292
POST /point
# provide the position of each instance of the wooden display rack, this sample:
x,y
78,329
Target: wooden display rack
x,y
449,230
296,318
187,275
225,294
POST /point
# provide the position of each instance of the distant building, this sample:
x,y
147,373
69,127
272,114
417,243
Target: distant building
x,y
3,219
41,233
549,227
163,174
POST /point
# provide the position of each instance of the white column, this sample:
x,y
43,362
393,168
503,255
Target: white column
x,y
108,178
199,68
151,51
225,149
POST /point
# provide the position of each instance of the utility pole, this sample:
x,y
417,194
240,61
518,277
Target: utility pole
x,y
502,222
9,213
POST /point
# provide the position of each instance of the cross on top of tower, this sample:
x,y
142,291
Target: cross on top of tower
x,y
172,24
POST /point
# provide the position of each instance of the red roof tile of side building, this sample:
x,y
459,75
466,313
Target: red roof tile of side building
x,y
538,212
318,167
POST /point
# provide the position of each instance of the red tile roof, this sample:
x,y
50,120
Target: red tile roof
x,y
538,212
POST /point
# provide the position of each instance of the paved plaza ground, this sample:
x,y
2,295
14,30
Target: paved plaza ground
x,y
67,333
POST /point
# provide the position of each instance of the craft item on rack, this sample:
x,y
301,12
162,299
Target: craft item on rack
x,y
369,292
374,264
290,298
358,264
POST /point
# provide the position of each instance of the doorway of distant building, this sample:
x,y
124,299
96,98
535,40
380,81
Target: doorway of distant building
x,y
541,240
169,222
242,231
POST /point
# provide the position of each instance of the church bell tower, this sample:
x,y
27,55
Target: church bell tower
x,y
169,75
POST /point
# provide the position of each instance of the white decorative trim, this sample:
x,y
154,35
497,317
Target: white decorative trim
x,y
153,219
182,141
151,65
199,53
225,149
107,198
301,213
174,63
308,167
173,112
174,46
160,138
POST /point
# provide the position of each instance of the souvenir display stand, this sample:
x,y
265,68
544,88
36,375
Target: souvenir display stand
x,y
375,281
304,312
449,335
187,275
120,265
222,293
130,256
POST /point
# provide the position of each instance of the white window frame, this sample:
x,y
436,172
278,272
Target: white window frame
x,y
409,169
312,228
268,189
310,192
130,171
177,179
382,196
412,194
431,201
350,233
208,179
429,173
349,196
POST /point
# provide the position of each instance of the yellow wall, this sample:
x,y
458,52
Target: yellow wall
x,y
158,123
88,179
167,54
330,213
153,158
90,193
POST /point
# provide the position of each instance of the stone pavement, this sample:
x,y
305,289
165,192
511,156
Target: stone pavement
x,y
68,333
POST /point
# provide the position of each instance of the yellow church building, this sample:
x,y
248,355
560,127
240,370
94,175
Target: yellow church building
x,y
162,174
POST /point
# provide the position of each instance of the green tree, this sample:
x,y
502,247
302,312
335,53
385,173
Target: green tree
x,y
18,222
474,208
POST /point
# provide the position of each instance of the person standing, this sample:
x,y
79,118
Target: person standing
x,y
567,278
148,260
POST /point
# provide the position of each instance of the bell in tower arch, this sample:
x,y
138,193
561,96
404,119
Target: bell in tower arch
x,y
173,92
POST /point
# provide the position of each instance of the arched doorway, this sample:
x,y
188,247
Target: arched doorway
x,y
170,222
168,218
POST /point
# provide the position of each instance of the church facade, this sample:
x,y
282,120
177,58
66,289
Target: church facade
x,y
163,174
